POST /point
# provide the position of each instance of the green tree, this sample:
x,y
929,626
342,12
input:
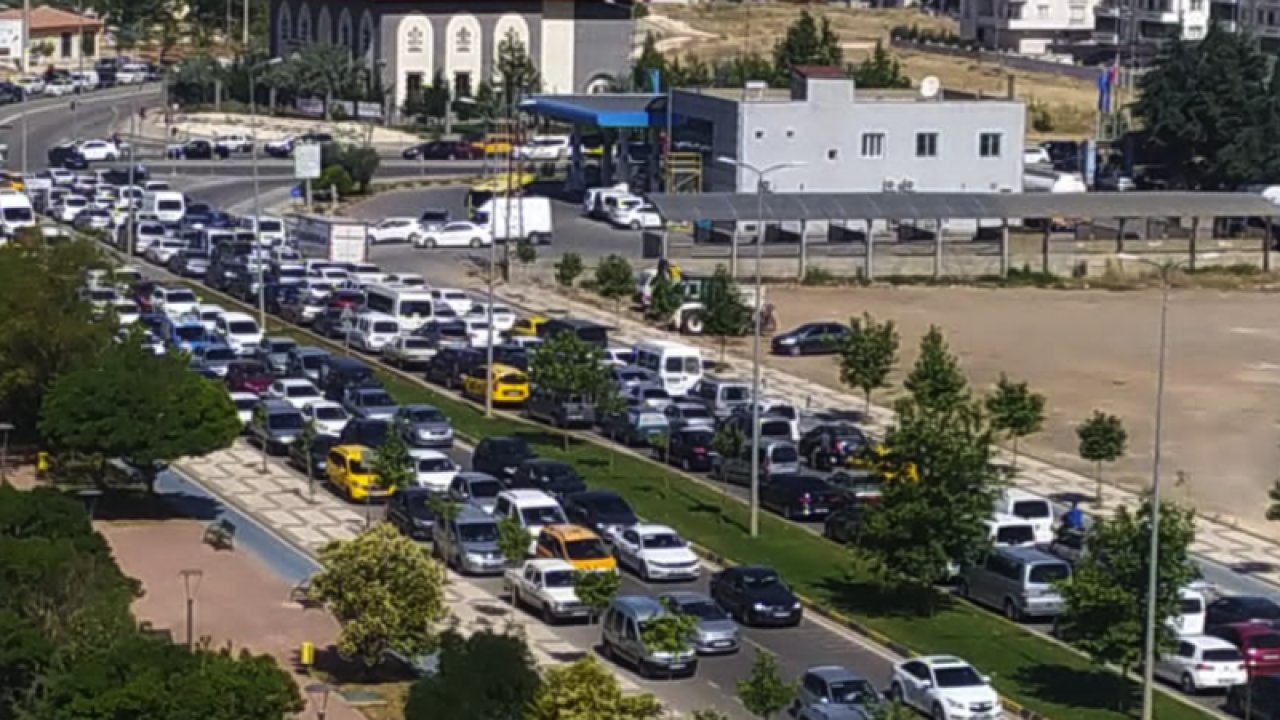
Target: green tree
x,y
1016,411
724,315
671,632
437,97
936,383
513,540
665,299
147,409
868,355
326,71
615,280
361,163
335,178
565,366
596,590
1106,597
764,693
393,464
648,61
569,269
709,714
1102,439
526,253
587,689
516,72
879,70
729,440
807,42
385,592
486,675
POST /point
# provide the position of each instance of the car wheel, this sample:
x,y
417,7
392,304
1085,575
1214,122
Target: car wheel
x,y
475,242
963,589
414,239
1188,684
938,713
548,617
635,225
1011,611
896,695
794,351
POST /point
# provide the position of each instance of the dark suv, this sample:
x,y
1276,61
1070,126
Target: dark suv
x,y
449,365
500,457
560,410
339,374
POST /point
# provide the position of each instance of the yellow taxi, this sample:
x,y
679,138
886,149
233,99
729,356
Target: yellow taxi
x,y
879,460
508,385
577,546
350,473
528,326
495,144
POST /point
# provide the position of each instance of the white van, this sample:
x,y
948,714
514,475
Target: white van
x,y
132,74
521,218
1032,508
412,307
1192,614
372,331
533,509
167,205
271,232
15,212
1010,531
678,366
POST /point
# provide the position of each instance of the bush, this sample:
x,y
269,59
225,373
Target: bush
x,y
1041,117
817,276
336,178
568,269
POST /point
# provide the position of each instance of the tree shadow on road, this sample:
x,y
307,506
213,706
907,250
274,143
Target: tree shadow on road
x,y
1077,687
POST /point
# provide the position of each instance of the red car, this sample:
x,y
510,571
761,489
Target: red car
x,y
346,298
251,376
1259,642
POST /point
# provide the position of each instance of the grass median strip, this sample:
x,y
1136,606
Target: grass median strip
x,y
1040,675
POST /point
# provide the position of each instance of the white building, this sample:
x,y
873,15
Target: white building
x,y
1028,27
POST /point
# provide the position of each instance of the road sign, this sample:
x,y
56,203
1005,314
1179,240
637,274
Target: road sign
x,y
306,161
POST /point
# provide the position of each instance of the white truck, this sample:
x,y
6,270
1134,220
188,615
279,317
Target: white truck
x,y
545,585
336,239
517,218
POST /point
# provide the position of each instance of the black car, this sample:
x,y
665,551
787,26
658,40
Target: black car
x,y
690,449
339,374
811,339
600,510
755,595
441,150
10,93
409,510
513,355
554,477
449,365
500,457
829,445
329,323
193,150
1241,608
319,452
60,154
370,433
799,496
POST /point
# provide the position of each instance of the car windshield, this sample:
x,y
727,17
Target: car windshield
x,y
246,403
219,354
1032,509
270,226
415,308
545,515
389,328
784,454
761,579
452,331
735,393
586,549
242,327
17,214
426,415
611,506
1265,641
662,541
330,412
180,296
280,347
560,578
1015,535
376,399
357,467
435,465
703,610
285,421
415,343
852,692
1049,573
190,333
962,676
478,532
301,390
694,412
311,362
775,428
485,488
1223,655
291,271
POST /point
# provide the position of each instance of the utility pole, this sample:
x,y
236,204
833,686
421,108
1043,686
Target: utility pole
x,y
26,69
244,31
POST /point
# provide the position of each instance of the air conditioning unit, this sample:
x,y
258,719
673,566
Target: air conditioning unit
x,y
907,185
890,186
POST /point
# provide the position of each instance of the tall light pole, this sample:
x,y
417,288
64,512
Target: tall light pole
x,y
1165,269
5,429
760,174
493,251
191,579
319,694
257,191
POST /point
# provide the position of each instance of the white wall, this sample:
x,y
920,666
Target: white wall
x,y
558,42
415,49
464,49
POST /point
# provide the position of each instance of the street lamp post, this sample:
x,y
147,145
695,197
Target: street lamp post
x,y
760,174
191,579
5,429
1164,269
257,205
319,694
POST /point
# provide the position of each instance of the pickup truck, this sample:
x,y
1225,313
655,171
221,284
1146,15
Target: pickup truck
x,y
546,585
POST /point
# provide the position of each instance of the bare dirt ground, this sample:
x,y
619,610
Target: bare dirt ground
x,y
720,30
1087,350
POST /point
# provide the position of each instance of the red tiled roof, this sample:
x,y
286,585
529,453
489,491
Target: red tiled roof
x,y
47,18
821,72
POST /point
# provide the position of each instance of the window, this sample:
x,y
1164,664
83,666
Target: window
x,y
1042,11
1197,5
413,84
89,45
462,84
1077,14
989,144
790,133
927,144
759,134
873,145
64,45
833,154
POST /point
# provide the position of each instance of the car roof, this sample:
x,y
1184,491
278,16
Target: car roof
x,y
567,531
1020,495
832,673
936,661
683,597
642,606
294,381
470,514
1207,642
1250,628
237,316
275,405
546,564
528,497
652,529
426,454
590,496
1028,554
355,451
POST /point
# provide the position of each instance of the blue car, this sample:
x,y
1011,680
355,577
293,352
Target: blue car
x,y
186,333
213,359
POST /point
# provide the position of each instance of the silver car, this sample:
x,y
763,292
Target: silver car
x,y
1019,581
717,633
424,426
831,692
469,542
477,489
371,403
275,425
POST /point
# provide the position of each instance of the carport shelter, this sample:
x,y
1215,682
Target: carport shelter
x,y
774,208
617,116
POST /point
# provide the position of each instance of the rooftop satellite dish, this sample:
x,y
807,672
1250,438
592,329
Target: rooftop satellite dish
x,y
930,86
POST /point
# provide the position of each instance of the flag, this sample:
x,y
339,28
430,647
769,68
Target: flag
x,y
1104,91
655,80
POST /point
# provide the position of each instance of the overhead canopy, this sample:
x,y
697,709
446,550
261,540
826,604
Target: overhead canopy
x,y
783,207
606,110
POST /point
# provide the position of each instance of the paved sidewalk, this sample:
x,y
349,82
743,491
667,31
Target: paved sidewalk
x,y
279,500
1217,539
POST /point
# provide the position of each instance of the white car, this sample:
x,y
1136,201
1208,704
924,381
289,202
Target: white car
x,y
99,150
944,687
655,552
245,403
240,331
59,87
504,318
434,469
396,229
1036,156
174,301
209,315
162,251
329,417
234,143
1202,662
458,300
459,233
99,298
478,331
367,274
405,278
61,177
126,312
70,206
31,84
331,275
544,148
635,213
298,392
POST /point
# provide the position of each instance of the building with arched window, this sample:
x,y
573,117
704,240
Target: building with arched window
x,y
578,46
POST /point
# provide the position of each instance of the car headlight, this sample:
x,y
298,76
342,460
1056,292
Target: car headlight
x,y
760,606
786,341
475,557
955,704
795,605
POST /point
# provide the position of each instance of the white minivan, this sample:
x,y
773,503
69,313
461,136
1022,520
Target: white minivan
x,y
412,307
372,331
1192,613
678,366
1033,509
167,205
15,212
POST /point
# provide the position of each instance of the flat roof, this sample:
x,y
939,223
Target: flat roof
x,y
605,110
781,207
